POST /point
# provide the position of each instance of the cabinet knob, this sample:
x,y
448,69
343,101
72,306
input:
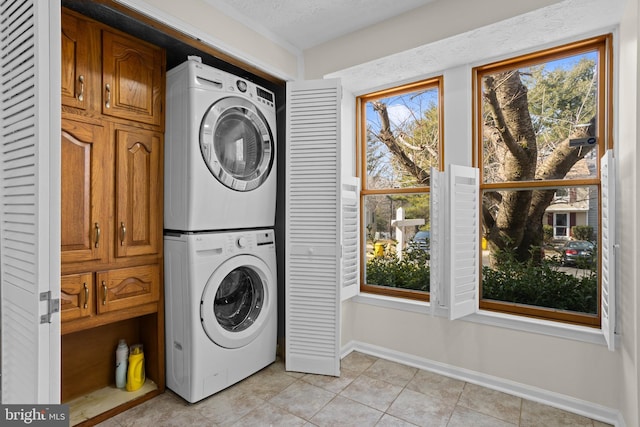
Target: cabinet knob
x,y
81,93
107,103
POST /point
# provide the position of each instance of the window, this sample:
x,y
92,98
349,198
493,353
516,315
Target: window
x,y
543,123
400,140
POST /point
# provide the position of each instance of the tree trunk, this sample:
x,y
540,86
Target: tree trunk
x,y
518,223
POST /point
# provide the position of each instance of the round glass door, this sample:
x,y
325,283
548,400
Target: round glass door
x,y
239,299
236,144
236,301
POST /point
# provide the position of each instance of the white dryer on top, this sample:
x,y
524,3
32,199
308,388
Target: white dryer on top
x,y
220,155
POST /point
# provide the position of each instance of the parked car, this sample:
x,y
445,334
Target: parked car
x,y
578,252
421,240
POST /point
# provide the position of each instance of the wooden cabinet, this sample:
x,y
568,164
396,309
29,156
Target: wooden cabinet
x,y
108,73
138,192
127,287
86,176
123,293
111,210
131,75
77,296
76,61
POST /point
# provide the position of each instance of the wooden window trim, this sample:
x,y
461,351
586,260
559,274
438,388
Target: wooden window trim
x,y
361,167
603,45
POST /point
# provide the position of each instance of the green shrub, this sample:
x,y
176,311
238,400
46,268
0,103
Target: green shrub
x,y
410,273
541,285
547,232
582,232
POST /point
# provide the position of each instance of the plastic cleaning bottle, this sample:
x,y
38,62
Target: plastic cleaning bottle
x,y
136,375
122,354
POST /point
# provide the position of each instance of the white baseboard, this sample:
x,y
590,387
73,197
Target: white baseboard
x,y
556,400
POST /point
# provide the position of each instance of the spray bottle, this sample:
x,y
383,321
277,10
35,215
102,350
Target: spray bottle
x,y
122,353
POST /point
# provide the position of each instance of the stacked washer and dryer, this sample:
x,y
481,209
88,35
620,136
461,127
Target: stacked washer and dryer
x,y
220,255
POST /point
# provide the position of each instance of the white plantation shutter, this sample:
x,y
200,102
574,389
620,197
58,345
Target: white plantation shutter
x,y
437,244
29,201
608,300
464,228
312,254
350,237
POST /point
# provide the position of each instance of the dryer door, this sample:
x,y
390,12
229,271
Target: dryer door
x,y
237,143
237,300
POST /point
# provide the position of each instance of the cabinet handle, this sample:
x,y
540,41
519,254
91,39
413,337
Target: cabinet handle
x,y
123,233
104,293
97,235
86,295
107,103
81,94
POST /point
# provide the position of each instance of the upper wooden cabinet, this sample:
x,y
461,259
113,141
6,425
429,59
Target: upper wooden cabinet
x,y
131,78
138,196
105,72
85,179
76,62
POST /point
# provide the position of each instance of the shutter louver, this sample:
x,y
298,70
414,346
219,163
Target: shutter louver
x,y
464,246
437,244
312,278
30,350
608,300
350,237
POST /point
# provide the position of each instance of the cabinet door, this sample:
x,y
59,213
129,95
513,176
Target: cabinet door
x,y
85,192
76,296
138,192
75,61
131,77
127,287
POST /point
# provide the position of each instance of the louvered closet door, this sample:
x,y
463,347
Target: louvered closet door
x,y
29,201
312,255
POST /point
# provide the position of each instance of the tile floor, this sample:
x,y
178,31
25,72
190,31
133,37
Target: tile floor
x,y
370,392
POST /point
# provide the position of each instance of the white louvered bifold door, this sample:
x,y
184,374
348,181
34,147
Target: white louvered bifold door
x,y
29,200
350,237
608,300
464,246
312,254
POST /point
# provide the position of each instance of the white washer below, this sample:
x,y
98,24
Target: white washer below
x,y
220,309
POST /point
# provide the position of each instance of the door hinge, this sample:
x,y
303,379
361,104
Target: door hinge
x,y
53,306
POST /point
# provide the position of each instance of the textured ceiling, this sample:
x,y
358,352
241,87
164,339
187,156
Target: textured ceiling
x,y
307,23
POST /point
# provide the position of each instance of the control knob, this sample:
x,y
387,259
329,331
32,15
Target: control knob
x,y
241,242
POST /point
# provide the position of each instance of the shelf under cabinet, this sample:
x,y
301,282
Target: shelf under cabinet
x,y
85,407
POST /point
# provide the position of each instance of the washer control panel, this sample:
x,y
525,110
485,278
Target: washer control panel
x,y
249,241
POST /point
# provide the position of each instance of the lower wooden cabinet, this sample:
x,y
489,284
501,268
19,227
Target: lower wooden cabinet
x,y
76,297
93,299
97,310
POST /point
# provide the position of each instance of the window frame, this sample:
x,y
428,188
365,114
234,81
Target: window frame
x,y
604,45
361,168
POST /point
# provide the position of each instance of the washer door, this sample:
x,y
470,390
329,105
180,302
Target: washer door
x,y
236,301
237,144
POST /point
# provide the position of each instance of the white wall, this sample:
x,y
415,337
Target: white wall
x,y
199,18
629,202
432,22
571,371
